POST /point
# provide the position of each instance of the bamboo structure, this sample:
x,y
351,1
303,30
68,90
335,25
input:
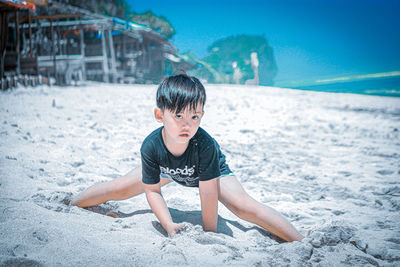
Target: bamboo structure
x,y
61,44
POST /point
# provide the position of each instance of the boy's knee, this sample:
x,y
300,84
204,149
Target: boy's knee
x,y
115,189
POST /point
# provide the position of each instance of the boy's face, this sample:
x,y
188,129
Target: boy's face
x,y
180,127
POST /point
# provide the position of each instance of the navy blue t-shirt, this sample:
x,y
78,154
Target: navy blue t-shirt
x,y
201,161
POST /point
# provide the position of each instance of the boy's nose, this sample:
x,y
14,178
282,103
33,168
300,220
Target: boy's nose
x,y
186,123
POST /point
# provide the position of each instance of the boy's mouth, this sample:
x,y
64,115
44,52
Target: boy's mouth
x,y
184,135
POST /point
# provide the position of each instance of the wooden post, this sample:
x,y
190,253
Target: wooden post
x,y
4,28
123,51
53,49
105,58
61,76
60,50
17,44
83,54
139,59
149,58
112,53
30,34
146,54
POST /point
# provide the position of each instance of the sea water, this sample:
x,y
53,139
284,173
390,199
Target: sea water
x,y
383,86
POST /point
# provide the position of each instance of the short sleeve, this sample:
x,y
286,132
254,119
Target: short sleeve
x,y
209,163
150,167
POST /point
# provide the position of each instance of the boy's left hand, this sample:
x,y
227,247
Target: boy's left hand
x,y
174,228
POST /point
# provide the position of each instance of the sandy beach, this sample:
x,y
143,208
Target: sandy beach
x,y
327,162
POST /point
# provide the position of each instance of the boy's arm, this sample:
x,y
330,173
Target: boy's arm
x,y
209,204
160,209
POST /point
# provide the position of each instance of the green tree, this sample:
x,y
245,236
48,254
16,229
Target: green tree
x,y
223,52
115,8
121,9
159,24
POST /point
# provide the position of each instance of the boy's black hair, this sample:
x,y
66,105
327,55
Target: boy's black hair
x,y
177,92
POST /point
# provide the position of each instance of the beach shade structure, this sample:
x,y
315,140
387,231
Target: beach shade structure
x,y
13,59
64,44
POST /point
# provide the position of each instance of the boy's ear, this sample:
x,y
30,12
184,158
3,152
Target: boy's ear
x,y
159,114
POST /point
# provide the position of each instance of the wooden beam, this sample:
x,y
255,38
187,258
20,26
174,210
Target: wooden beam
x,y
4,27
53,49
56,16
83,54
123,51
30,34
18,43
95,22
105,57
112,54
60,51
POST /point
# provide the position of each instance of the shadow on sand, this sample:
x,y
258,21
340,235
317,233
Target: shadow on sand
x,y
189,216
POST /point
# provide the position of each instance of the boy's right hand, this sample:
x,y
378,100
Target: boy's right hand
x,y
174,228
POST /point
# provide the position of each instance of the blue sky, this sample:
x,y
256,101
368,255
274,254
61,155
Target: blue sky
x,y
311,39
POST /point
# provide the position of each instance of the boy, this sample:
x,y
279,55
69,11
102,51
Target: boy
x,y
183,152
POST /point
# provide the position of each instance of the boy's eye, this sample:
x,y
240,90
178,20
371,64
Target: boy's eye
x,y
195,117
178,116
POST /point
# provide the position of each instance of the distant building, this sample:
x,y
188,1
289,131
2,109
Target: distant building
x,y
54,42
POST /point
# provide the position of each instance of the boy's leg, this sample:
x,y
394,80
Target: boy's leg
x,y
233,196
121,188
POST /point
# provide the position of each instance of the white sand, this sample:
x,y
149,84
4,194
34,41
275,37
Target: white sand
x,y
328,162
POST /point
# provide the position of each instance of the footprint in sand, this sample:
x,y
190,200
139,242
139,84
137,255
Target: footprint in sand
x,y
20,262
171,254
389,191
65,182
18,250
56,201
11,157
385,172
358,260
345,173
331,235
220,244
174,257
41,235
207,239
77,163
338,212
